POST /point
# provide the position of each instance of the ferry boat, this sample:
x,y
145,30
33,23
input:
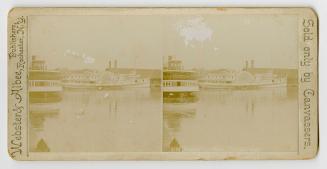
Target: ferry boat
x,y
242,80
179,87
108,80
45,90
113,80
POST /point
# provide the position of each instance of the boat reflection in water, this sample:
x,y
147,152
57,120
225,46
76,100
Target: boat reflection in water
x,y
44,101
180,88
235,120
114,120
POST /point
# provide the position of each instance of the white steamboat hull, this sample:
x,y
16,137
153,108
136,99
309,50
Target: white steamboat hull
x,y
136,85
241,85
105,86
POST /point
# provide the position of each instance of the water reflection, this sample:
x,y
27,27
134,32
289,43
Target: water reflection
x,y
39,112
100,120
234,120
131,120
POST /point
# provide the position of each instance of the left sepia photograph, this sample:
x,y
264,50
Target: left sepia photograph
x,y
94,88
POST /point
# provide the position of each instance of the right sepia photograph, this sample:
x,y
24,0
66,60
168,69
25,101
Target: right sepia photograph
x,y
230,84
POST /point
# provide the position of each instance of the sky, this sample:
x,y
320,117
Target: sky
x,y
201,41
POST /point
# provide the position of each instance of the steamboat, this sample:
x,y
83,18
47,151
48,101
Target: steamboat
x,y
45,90
111,78
179,87
248,78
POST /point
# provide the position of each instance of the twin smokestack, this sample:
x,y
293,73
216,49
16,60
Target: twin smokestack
x,y
115,64
247,64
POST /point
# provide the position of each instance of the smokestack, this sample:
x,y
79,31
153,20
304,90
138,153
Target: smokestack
x,y
246,64
252,63
109,64
115,64
170,58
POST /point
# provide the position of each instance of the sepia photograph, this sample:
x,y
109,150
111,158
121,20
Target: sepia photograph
x,y
230,84
162,83
94,88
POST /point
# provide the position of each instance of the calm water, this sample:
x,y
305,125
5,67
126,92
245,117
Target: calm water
x,y
107,120
133,120
234,120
